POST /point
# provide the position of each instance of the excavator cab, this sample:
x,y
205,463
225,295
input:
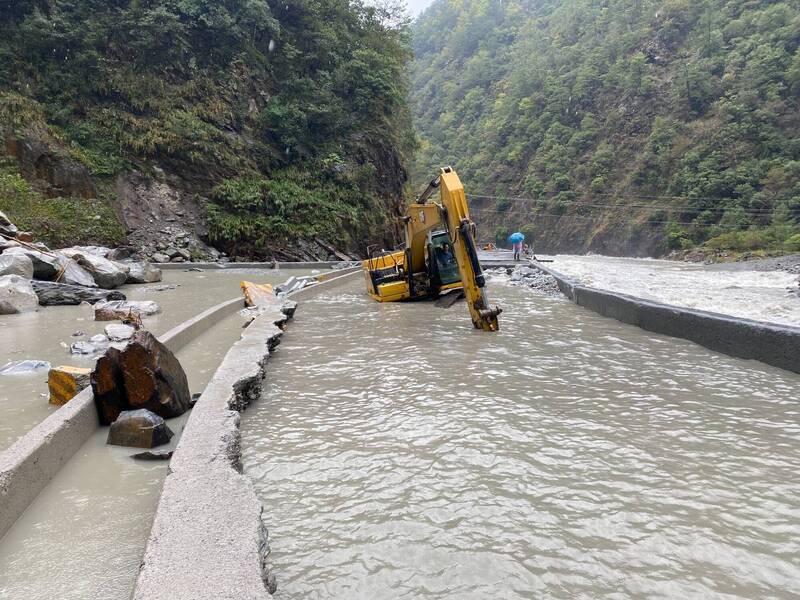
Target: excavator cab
x,y
442,264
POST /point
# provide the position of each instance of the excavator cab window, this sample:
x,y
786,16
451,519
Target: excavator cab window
x,y
446,264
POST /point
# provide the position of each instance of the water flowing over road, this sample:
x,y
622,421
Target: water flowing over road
x,y
401,454
84,536
737,289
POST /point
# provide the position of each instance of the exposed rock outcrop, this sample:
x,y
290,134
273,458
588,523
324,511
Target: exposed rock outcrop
x,y
163,215
50,167
17,295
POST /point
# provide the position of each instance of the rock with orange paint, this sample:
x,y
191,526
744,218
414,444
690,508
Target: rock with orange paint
x,y
66,382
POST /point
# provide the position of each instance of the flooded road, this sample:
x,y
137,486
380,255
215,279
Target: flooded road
x,y
84,536
401,454
47,334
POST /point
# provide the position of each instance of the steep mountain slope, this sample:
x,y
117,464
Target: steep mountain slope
x,y
257,125
617,126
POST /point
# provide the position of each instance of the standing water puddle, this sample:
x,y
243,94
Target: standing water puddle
x,y
401,454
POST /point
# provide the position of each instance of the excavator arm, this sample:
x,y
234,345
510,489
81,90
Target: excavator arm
x,y
454,213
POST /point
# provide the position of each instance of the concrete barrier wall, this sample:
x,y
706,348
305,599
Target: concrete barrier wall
x,y
770,343
210,266
208,540
31,462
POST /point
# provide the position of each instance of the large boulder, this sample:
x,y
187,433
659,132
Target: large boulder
x,y
100,251
145,374
107,274
142,273
16,264
62,294
139,429
122,310
48,266
108,387
16,295
45,266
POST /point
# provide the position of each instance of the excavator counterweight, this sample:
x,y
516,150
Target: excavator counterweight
x,y
440,254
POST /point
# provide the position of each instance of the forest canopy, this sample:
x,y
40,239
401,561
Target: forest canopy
x,y
686,113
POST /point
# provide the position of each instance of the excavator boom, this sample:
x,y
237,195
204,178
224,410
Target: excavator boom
x,y
413,272
462,233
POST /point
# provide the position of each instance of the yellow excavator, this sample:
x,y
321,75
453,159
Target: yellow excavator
x,y
440,254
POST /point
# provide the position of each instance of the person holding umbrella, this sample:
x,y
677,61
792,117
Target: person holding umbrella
x,y
516,240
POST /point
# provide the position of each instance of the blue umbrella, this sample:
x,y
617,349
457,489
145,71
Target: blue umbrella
x,y
516,237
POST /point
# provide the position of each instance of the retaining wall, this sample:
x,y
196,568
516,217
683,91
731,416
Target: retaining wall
x,y
770,343
208,540
252,265
31,462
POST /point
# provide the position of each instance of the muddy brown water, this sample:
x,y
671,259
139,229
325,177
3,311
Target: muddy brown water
x,y
401,454
47,334
84,535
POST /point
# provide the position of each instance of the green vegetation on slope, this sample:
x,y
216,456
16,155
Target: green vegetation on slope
x,y
623,125
301,102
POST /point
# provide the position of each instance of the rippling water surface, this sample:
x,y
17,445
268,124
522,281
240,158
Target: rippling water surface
x,y
401,454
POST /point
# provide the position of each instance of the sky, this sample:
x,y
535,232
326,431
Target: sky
x,y
417,6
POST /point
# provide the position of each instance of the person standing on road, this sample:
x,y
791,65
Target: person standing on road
x,y
517,249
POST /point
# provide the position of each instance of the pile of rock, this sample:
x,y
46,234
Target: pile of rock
x,y
32,275
534,279
182,247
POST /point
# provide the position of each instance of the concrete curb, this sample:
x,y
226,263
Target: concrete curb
x,y
771,343
29,464
208,540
